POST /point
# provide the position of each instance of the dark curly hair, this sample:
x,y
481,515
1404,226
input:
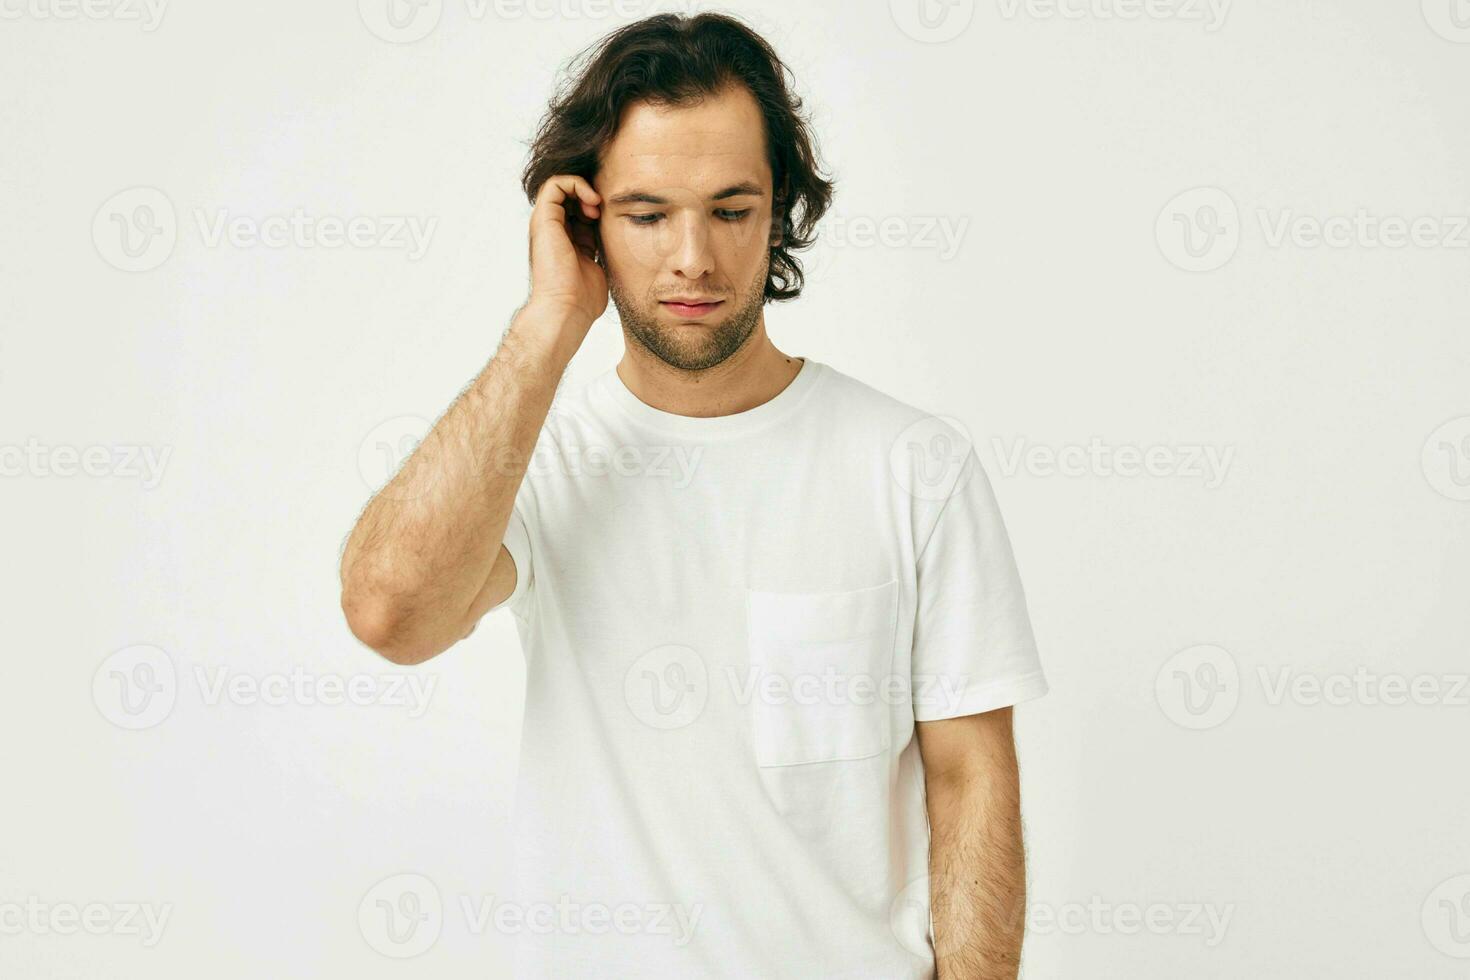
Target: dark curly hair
x,y
673,59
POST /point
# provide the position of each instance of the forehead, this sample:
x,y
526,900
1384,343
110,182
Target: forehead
x,y
700,148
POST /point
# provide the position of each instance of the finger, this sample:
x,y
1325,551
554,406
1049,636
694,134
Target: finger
x,y
558,189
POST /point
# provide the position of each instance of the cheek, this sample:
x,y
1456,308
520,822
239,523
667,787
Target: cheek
x,y
751,238
617,252
635,253
740,251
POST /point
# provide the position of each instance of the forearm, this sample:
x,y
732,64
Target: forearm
x,y
424,546
977,870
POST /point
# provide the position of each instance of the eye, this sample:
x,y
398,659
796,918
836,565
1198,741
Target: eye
x,y
724,214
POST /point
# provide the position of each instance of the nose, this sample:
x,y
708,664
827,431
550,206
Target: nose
x,y
690,256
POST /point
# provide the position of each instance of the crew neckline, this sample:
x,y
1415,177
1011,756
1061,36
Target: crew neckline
x,y
767,412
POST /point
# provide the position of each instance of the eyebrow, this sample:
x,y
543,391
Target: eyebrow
x,y
744,188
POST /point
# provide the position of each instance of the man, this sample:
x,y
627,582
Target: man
x,y
772,624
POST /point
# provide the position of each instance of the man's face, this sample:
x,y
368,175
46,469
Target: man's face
x,y
686,214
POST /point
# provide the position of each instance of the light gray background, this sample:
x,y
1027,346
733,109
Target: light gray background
x,y
1333,378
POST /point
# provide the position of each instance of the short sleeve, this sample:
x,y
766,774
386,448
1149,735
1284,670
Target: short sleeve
x,y
973,647
517,541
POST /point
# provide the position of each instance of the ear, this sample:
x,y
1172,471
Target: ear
x,y
776,223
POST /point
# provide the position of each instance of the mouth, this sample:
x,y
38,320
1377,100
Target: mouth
x,y
692,309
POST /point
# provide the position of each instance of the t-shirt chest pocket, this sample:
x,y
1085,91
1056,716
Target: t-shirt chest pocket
x,y
821,673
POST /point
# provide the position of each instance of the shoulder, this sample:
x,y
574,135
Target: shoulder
x,y
900,424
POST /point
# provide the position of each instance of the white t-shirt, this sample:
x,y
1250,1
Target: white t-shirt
x,y
730,626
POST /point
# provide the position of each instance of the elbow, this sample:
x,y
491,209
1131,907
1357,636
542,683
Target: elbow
x,y
381,628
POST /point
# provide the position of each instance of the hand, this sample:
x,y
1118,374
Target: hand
x,y
566,271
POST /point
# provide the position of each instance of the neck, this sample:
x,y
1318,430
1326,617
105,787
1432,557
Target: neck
x,y
752,376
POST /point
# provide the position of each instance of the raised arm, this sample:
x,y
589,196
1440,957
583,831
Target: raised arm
x,y
425,560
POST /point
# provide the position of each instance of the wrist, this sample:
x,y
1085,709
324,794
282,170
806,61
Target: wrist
x,y
554,331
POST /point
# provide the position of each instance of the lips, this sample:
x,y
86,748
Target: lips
x,y
690,307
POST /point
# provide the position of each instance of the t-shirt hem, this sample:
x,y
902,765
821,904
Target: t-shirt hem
x,y
987,697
